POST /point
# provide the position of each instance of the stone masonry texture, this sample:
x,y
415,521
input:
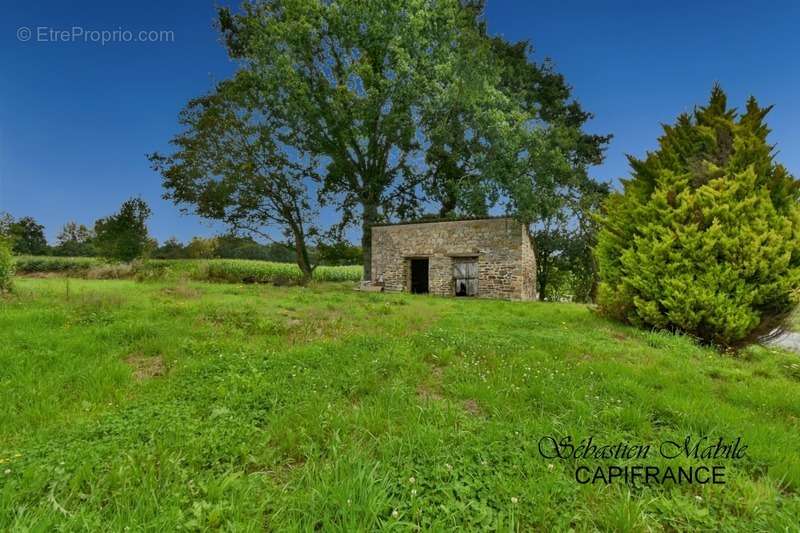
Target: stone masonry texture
x,y
502,247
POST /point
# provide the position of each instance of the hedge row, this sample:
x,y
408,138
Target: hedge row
x,y
221,270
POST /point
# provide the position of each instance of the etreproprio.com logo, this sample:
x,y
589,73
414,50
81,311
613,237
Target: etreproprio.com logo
x,y
79,34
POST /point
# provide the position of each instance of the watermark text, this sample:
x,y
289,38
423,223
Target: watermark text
x,y
79,34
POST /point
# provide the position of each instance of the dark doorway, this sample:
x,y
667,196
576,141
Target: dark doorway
x,y
419,276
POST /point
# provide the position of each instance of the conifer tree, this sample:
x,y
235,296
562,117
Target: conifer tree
x,y
705,237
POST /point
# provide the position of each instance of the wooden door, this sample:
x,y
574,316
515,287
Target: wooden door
x,y
465,276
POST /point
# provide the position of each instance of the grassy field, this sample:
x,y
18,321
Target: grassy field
x,y
168,405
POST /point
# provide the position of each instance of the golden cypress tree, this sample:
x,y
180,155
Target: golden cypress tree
x,y
705,236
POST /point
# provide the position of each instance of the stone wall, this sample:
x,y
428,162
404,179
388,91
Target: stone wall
x,y
506,262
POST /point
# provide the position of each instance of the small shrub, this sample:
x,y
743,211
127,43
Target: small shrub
x,y
6,265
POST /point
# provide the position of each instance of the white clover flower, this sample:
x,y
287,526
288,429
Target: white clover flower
x,y
412,480
514,500
395,514
413,492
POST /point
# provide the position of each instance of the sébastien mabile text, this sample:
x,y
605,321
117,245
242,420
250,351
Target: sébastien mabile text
x,y
644,463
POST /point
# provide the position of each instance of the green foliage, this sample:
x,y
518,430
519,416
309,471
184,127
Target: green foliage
x,y
564,238
75,240
473,164
123,236
6,265
359,86
27,235
231,247
200,248
235,164
195,406
705,238
338,253
172,248
236,247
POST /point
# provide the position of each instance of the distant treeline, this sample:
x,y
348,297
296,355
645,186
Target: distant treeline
x,y
236,247
76,240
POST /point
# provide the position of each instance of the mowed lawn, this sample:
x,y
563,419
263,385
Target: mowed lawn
x,y
164,406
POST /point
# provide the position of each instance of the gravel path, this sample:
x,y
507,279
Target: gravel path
x,y
789,340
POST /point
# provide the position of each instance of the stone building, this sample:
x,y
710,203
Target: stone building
x,y
487,258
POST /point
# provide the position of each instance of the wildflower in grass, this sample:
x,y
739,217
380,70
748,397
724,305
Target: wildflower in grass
x,y
514,500
412,480
7,471
448,466
395,514
551,466
413,492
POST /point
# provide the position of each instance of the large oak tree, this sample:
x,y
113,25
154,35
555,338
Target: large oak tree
x,y
353,81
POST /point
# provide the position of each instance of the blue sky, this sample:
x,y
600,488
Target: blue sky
x,y
77,118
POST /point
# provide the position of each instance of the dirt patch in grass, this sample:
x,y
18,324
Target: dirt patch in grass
x,y
182,290
472,407
146,367
428,394
430,391
294,322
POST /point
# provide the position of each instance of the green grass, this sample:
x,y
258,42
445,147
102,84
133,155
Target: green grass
x,y
223,270
170,405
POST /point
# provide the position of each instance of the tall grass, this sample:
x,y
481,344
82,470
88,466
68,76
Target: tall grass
x,y
220,270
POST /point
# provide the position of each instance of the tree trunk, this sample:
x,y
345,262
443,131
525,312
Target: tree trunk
x,y
368,218
542,280
545,267
301,250
448,202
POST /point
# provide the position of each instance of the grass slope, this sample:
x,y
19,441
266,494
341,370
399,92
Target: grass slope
x,y
172,405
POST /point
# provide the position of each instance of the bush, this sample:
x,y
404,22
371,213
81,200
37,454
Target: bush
x,y
6,265
705,237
